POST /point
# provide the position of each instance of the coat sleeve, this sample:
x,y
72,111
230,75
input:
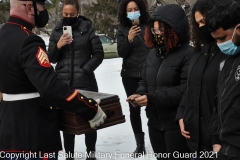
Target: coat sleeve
x,y
214,124
181,107
171,96
53,51
124,47
35,63
97,53
142,85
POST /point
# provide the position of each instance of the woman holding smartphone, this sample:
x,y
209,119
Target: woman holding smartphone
x,y
77,57
133,17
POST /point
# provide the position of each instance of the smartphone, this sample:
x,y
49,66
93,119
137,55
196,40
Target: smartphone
x,y
67,29
135,22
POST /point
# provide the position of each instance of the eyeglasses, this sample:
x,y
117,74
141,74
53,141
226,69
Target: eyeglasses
x,y
157,30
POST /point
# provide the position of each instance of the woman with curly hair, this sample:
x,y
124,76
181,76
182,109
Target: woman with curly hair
x,y
164,79
133,17
195,111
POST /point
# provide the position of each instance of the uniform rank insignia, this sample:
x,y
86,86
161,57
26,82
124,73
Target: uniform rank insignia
x,y
42,58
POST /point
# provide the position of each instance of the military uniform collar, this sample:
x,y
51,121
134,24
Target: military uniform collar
x,y
20,21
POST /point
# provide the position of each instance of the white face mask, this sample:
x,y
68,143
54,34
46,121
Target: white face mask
x,y
228,47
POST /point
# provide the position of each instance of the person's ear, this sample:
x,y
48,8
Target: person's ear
x,y
29,9
238,29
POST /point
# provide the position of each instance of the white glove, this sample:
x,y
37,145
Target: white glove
x,y
99,117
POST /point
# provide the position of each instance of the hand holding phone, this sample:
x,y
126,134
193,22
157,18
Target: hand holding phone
x,y
134,30
66,38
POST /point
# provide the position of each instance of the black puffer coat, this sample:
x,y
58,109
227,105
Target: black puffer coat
x,y
196,107
165,75
77,61
133,54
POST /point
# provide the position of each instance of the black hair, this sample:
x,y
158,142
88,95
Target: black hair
x,y
204,7
72,2
225,14
122,14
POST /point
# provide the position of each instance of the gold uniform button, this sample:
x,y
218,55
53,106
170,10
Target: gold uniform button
x,y
24,28
82,97
202,44
51,107
96,105
90,101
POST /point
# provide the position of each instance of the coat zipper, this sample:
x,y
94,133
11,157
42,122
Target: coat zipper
x,y
71,65
222,97
156,89
226,150
139,67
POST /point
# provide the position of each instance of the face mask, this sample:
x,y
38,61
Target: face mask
x,y
133,15
205,34
228,47
69,20
42,19
159,39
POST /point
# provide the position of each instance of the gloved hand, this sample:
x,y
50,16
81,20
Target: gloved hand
x,y
99,117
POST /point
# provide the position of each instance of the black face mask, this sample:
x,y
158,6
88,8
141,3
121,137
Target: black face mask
x,y
42,19
205,34
69,20
159,39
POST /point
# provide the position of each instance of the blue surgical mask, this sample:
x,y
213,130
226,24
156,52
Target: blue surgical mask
x,y
133,15
228,47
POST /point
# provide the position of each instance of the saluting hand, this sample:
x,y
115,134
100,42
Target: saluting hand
x,y
64,39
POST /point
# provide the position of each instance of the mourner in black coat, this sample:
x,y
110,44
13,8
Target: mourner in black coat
x,y
195,111
224,24
77,60
164,78
131,47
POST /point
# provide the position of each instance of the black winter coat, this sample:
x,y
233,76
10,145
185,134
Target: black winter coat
x,y
164,82
133,54
77,61
197,104
226,116
165,75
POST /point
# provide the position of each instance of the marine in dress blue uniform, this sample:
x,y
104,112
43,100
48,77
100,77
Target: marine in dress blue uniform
x,y
30,87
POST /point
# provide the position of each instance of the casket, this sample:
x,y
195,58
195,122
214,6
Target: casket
x,y
75,124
